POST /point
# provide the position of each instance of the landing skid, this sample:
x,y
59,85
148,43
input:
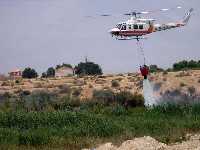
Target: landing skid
x,y
130,38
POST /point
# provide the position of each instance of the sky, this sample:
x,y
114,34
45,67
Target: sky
x,y
44,33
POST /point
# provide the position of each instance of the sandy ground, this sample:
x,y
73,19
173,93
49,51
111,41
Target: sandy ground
x,y
148,143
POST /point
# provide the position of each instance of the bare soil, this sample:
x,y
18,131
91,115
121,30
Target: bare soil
x,y
148,143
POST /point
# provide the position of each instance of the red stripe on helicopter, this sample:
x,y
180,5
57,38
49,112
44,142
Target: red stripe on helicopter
x,y
133,33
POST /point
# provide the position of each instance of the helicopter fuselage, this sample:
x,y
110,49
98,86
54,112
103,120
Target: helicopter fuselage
x,y
133,28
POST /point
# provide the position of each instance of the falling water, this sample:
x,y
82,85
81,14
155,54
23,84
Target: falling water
x,y
150,99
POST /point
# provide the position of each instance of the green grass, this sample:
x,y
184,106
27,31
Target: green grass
x,y
95,124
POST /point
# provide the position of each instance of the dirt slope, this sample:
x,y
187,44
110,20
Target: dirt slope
x,y
148,143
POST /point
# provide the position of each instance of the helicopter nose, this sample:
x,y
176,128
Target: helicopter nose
x,y
114,31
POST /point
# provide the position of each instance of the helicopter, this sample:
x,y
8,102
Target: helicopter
x,y
137,27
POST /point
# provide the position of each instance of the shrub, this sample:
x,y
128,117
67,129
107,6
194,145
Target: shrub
x,y
154,68
24,93
115,83
64,89
44,75
39,100
182,84
183,74
5,83
127,99
76,92
191,90
103,96
199,81
165,72
17,81
37,85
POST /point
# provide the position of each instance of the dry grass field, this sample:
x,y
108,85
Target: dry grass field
x,y
83,87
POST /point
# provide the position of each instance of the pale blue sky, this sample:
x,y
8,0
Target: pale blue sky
x,y
44,33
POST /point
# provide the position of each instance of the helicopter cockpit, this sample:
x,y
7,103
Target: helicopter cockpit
x,y
121,26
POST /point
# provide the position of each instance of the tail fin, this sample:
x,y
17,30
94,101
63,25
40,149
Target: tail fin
x,y
187,16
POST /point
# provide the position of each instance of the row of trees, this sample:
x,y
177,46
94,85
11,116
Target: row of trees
x,y
192,64
83,68
178,66
90,68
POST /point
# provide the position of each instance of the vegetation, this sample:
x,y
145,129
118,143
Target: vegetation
x,y
72,129
155,68
42,120
51,72
44,75
88,68
29,73
186,65
115,83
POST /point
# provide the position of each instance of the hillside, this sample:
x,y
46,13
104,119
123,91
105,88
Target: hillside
x,y
187,82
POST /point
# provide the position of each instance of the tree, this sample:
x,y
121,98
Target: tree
x,y
50,72
44,75
155,68
186,65
29,73
88,68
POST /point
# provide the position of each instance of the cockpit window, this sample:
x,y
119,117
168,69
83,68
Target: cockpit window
x,y
123,27
119,26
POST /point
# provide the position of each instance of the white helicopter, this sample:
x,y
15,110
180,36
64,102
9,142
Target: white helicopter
x,y
137,27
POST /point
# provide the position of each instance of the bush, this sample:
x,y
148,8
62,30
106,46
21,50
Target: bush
x,y
44,75
165,72
115,83
154,68
5,83
182,84
105,97
64,89
76,92
39,100
191,90
127,99
29,73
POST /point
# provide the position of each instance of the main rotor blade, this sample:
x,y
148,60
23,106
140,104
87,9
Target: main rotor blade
x,y
152,11
134,13
160,10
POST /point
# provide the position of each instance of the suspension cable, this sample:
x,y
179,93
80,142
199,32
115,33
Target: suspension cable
x,y
141,50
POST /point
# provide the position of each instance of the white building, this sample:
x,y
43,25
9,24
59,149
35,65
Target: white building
x,y
64,71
